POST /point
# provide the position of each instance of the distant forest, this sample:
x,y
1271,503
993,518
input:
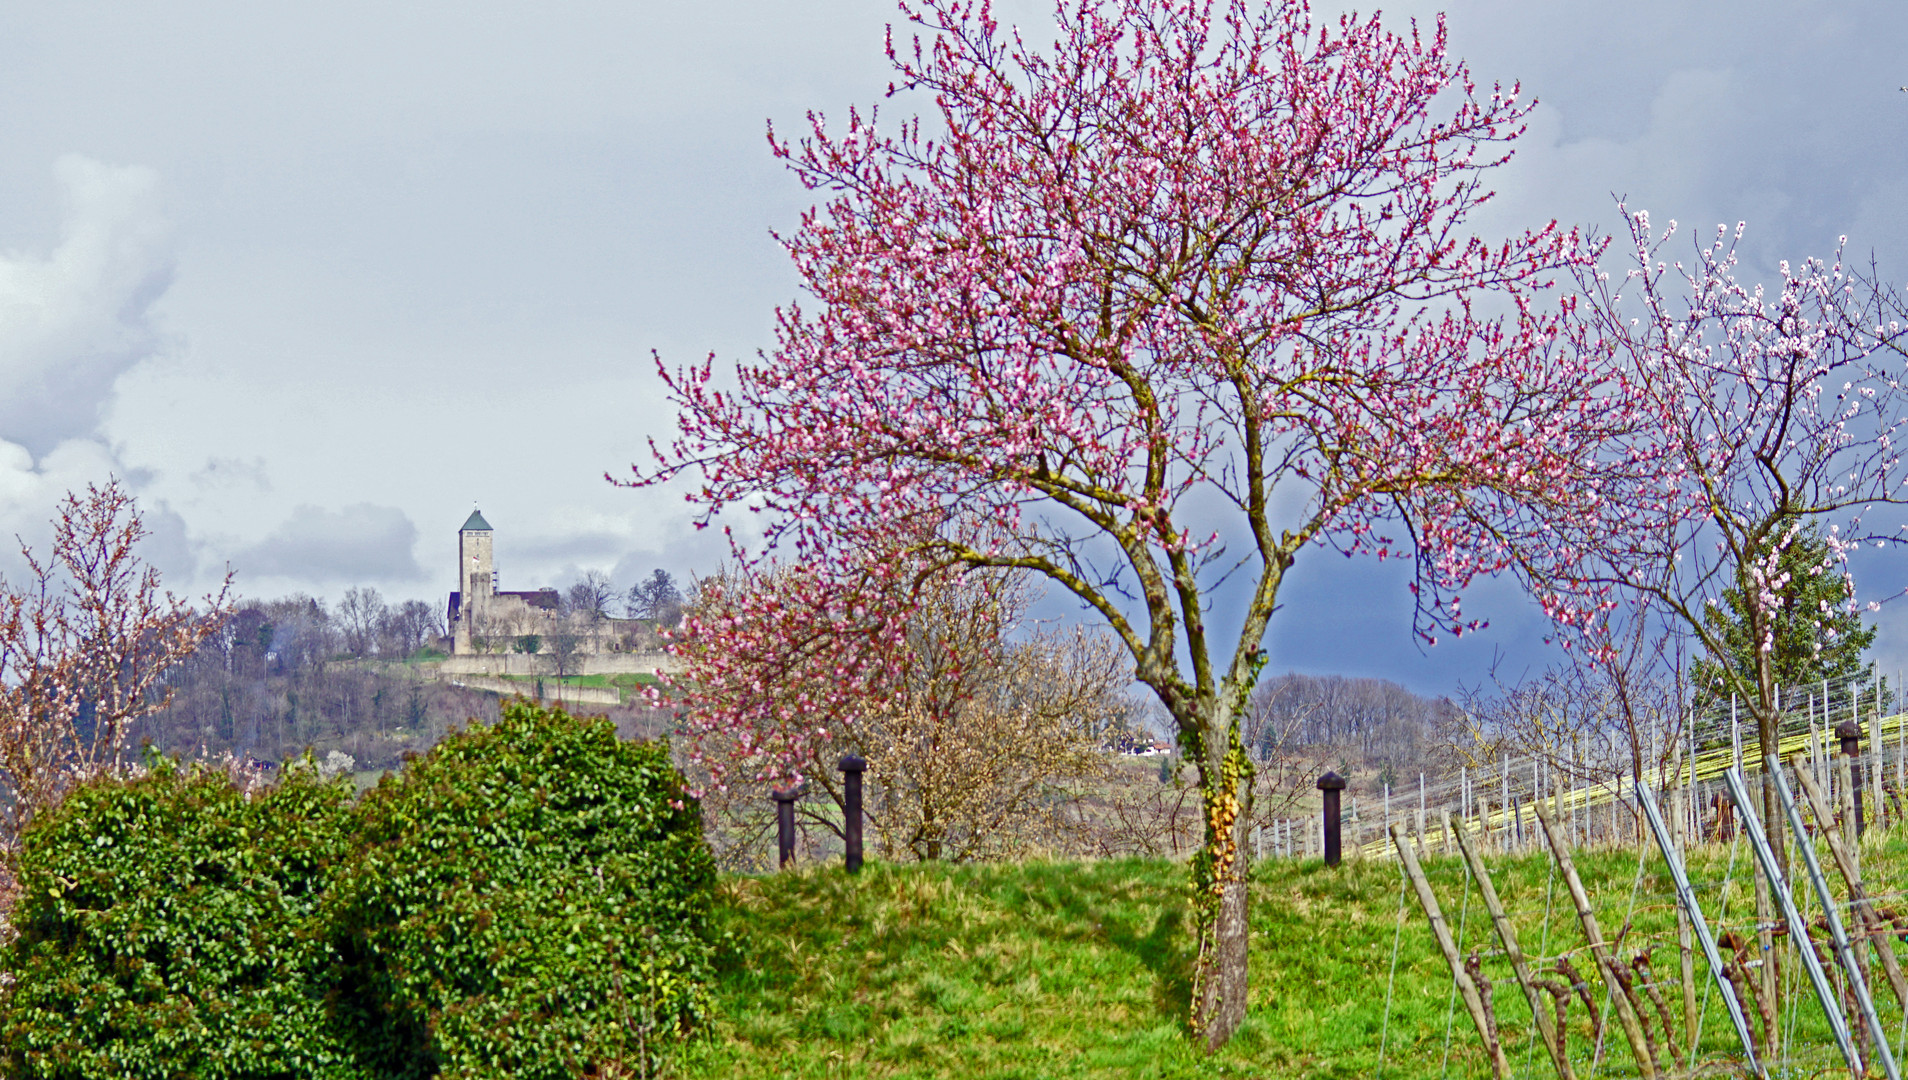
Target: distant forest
x,y
1373,727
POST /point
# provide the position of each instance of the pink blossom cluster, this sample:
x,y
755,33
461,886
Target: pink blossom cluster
x,y
87,631
776,658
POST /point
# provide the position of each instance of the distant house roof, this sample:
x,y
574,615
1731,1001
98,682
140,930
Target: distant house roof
x,y
476,523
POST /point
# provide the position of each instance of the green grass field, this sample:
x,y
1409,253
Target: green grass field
x,y
1080,970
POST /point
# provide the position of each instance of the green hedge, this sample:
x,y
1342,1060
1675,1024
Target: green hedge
x,y
529,899
166,929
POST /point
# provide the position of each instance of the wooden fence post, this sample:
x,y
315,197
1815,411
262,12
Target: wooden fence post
x,y
1850,776
1692,1008
1626,1014
1507,936
1500,1067
1331,784
785,824
852,766
1876,812
1768,1000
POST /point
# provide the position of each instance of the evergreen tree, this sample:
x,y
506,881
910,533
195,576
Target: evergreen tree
x,y
1817,637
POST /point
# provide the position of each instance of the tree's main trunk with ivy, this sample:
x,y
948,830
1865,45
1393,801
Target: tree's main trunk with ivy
x,y
1209,714
1219,874
1768,715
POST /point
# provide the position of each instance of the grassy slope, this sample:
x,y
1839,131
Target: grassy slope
x,y
1079,970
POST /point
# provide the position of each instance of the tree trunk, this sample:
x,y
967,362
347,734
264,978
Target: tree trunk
x,y
1225,984
1768,740
1220,871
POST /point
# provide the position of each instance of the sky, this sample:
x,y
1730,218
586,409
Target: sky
x,y
318,281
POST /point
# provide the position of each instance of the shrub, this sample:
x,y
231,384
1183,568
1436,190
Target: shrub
x,y
166,930
530,899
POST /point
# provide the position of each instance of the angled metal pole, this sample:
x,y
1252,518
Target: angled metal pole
x,y
1837,934
1875,929
1687,897
1798,930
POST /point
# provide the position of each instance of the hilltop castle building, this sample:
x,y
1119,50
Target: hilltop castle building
x,y
483,619
521,633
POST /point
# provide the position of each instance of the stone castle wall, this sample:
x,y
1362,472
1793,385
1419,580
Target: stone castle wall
x,y
551,691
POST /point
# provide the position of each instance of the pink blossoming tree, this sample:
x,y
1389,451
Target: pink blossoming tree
x,y
971,721
776,661
1148,312
87,637
1776,410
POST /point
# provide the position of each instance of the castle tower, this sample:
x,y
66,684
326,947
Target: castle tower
x,y
476,574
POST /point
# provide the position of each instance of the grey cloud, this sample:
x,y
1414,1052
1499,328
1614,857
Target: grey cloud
x,y
684,565
588,547
73,321
558,561
30,491
30,494
1785,115
358,544
169,547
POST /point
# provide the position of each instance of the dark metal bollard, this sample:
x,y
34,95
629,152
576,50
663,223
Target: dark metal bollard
x,y
852,766
785,823
1851,735
1331,784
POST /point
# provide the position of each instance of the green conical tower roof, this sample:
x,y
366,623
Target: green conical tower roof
x,y
476,523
